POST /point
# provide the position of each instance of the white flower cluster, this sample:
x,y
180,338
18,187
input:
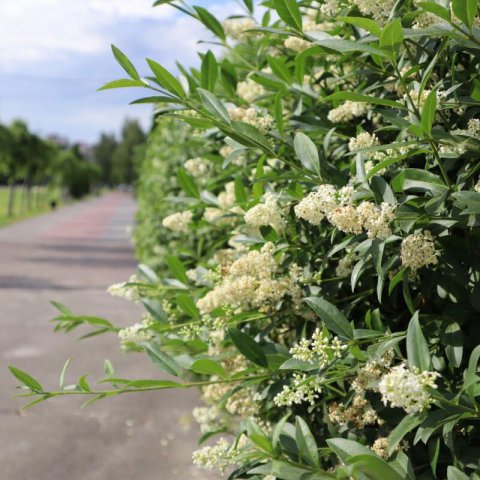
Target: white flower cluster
x,y
365,140
359,413
378,9
473,129
425,20
314,206
243,403
226,214
219,456
370,374
420,99
337,207
376,220
249,90
178,222
126,291
348,111
319,350
345,266
330,8
252,117
418,250
303,389
198,167
226,199
477,186
250,282
132,337
236,28
209,418
406,389
268,213
380,447
297,44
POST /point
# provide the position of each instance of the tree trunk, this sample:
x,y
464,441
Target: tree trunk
x,y
23,198
11,198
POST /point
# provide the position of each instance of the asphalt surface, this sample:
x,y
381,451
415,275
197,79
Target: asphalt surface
x,y
72,255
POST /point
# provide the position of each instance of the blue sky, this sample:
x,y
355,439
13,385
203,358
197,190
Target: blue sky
x,y
54,54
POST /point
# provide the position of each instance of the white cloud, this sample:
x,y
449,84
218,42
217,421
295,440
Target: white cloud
x,y
36,30
55,53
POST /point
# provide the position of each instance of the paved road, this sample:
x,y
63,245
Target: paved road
x,y
71,256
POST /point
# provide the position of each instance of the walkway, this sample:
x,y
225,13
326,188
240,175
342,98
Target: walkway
x,y
71,256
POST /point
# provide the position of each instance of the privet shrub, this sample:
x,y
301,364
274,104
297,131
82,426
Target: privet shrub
x,y
323,243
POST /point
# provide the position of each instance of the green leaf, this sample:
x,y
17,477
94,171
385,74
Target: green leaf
x,y
453,339
392,35
287,470
471,377
280,69
375,467
210,22
249,5
475,91
453,473
250,136
155,100
108,368
122,83
331,316
209,71
362,22
165,79
152,384
214,105
307,152
467,202
26,379
248,347
147,273
359,97
155,309
406,425
417,347
418,180
187,305
346,46
436,9
177,268
289,12
125,63
206,366
61,381
278,112
306,443
187,183
163,361
241,196
277,430
465,10
428,112
344,449
62,308
83,383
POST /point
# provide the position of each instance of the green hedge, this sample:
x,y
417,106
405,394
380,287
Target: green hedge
x,y
320,277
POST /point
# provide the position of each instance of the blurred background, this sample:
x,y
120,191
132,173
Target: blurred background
x,y
69,158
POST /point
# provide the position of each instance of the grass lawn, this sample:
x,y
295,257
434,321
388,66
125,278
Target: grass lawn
x,y
40,203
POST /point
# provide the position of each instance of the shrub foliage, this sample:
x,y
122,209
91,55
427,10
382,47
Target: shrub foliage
x,y
309,208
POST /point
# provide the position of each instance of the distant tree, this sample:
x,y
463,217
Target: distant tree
x,y
78,173
18,152
103,153
128,153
